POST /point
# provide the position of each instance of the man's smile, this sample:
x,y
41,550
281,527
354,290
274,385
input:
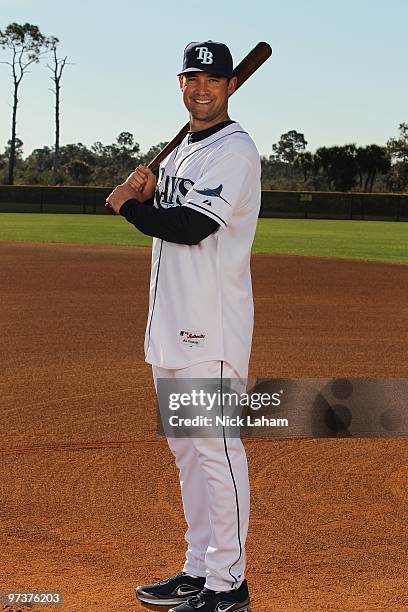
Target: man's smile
x,y
207,101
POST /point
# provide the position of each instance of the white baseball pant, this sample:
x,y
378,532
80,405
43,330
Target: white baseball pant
x,y
215,493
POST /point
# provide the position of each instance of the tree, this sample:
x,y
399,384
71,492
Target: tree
x,y
2,168
398,150
127,142
5,158
123,156
371,160
290,144
56,68
79,171
77,150
69,155
398,147
26,44
18,149
38,167
340,166
125,151
324,160
397,179
305,163
112,163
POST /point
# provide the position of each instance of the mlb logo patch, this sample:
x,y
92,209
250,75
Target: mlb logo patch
x,y
192,338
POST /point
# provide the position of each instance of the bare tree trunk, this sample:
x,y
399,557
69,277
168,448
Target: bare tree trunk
x,y
373,175
367,181
56,69
57,134
12,158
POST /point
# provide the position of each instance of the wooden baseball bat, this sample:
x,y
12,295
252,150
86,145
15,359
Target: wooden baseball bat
x,y
251,62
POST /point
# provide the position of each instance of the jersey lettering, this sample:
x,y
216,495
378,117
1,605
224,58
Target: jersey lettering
x,y
171,191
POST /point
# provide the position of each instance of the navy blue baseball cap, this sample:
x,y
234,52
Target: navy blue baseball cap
x,y
209,56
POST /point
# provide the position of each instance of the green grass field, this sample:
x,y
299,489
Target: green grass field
x,y
371,240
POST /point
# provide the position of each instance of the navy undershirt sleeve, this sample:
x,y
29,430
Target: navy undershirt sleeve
x,y
177,224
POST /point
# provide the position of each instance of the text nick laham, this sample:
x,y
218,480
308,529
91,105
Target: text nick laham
x,y
227,421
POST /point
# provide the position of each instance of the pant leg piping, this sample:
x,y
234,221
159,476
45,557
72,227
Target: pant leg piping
x,y
233,482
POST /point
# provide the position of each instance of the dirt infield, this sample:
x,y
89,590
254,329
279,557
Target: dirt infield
x,y
89,493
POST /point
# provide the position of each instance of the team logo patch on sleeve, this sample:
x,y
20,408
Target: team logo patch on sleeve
x,y
212,193
192,338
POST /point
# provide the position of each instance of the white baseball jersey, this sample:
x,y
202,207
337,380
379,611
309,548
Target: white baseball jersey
x,y
201,306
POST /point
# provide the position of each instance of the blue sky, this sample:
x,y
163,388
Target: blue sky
x,y
338,72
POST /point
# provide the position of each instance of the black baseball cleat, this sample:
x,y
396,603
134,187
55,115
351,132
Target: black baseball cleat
x,y
172,590
217,601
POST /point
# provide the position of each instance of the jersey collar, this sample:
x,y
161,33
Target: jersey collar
x,y
219,133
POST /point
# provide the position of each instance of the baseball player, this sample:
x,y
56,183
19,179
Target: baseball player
x,y
202,213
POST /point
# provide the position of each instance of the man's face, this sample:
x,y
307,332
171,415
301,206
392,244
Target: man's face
x,y
206,96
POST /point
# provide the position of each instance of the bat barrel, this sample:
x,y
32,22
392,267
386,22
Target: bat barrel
x,y
255,58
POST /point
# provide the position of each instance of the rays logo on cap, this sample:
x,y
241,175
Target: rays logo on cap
x,y
204,55
207,56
